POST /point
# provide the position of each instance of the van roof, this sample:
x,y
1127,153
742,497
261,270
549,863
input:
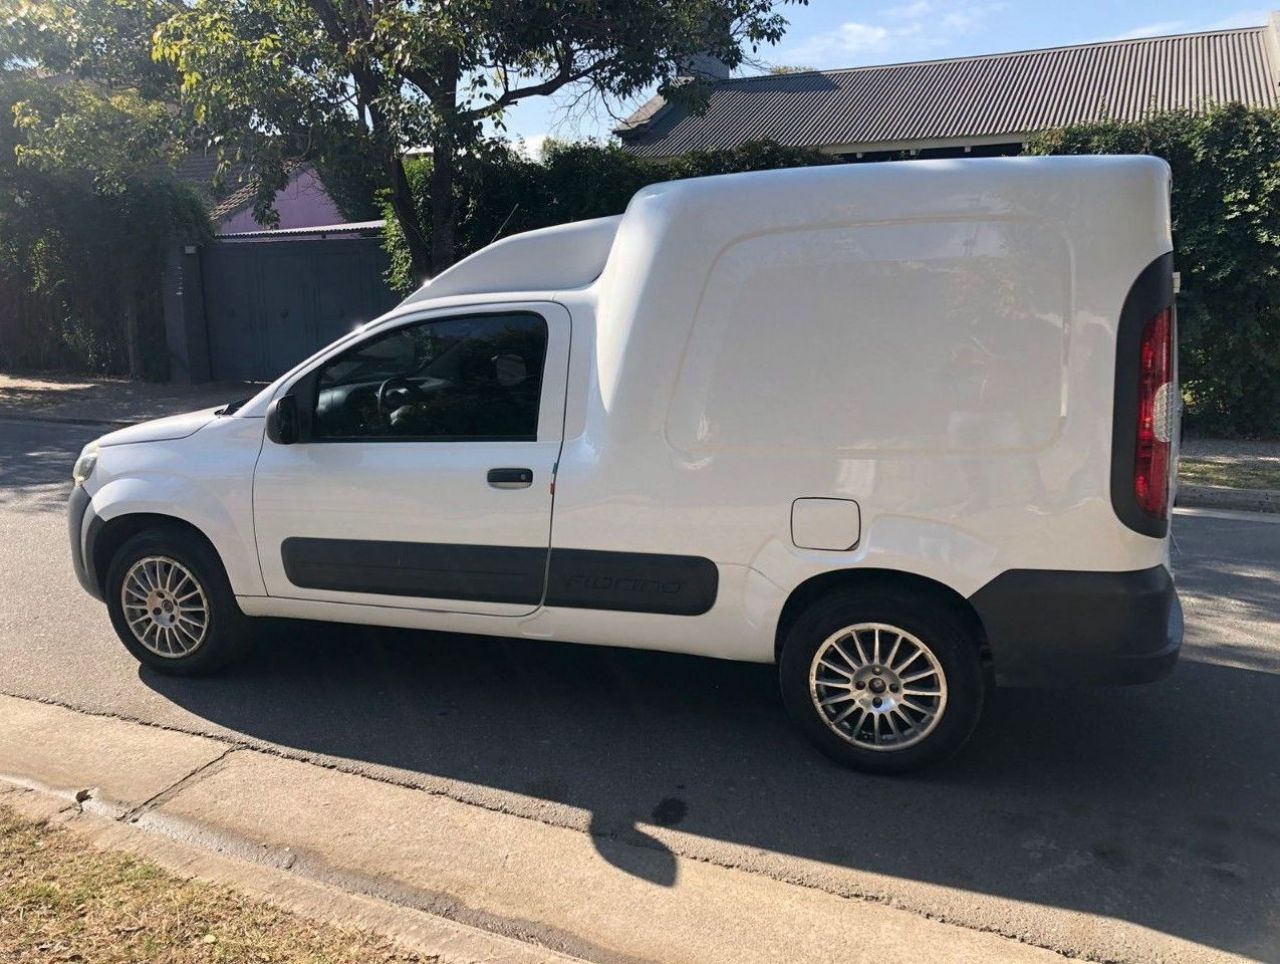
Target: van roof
x,y
574,255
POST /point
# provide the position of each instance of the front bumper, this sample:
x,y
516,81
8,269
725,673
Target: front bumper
x,y
1068,628
81,525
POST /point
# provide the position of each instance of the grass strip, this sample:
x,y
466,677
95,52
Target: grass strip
x,y
63,900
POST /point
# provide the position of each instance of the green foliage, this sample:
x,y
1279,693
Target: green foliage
x,y
501,192
1226,228
751,156
87,211
351,182
109,137
107,42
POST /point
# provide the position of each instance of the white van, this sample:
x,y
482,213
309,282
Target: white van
x,y
904,429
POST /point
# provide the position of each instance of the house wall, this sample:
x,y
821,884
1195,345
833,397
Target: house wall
x,y
302,203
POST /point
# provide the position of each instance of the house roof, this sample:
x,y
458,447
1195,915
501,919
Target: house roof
x,y
239,198
355,228
971,98
236,191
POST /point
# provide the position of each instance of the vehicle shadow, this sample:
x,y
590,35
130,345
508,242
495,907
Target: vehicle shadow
x,y
1152,804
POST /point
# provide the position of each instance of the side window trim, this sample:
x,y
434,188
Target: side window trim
x,y
307,386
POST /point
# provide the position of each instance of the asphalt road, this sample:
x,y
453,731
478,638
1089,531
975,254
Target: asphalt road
x,y
1158,805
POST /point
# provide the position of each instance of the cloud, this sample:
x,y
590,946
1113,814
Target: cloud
x,y
849,39
911,29
1241,18
1162,28
1158,29
531,146
910,11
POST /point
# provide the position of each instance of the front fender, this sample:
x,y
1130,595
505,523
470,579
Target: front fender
x,y
205,480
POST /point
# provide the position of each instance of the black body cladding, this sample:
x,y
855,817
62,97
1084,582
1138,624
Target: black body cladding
x,y
575,578
1049,627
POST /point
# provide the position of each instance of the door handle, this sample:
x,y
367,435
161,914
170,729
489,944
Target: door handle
x,y
511,478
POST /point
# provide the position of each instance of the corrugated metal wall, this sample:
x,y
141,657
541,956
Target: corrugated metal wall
x,y
268,304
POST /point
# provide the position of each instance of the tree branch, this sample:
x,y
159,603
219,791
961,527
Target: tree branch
x,y
565,75
332,22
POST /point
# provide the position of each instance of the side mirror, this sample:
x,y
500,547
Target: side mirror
x,y
282,420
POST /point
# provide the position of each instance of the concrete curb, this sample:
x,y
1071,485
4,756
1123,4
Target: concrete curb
x,y
481,884
442,940
1227,497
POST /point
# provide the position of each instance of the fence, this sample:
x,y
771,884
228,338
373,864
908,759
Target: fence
x,y
248,308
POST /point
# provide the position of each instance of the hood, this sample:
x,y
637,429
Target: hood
x,y
162,429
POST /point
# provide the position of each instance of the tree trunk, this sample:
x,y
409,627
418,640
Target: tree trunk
x,y
133,336
407,215
443,159
443,249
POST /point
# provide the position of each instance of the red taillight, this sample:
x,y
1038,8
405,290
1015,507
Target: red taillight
x,y
1155,416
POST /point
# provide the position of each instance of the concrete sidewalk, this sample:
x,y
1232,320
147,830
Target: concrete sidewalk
x,y
1236,474
108,401
468,882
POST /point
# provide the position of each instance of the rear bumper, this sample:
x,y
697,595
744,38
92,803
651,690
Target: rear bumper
x,y
81,528
1055,628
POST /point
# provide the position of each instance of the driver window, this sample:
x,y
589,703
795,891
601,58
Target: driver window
x,y
475,378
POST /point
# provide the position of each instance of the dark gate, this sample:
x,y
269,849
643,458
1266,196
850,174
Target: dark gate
x,y
265,304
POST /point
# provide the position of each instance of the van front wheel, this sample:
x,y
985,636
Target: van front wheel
x,y
172,605
882,681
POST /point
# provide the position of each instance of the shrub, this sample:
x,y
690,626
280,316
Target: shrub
x,y
1226,229
500,192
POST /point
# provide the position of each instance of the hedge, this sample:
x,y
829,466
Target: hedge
x,y
1226,232
501,192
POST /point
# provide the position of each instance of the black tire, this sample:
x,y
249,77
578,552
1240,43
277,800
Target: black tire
x,y
936,625
228,632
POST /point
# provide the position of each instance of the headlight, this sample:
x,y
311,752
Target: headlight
x,y
84,465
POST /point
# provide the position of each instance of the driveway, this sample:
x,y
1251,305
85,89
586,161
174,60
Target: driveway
x,y
1155,805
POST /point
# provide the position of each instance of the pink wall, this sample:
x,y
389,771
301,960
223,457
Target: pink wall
x,y
302,203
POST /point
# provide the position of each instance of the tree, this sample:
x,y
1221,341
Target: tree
x,y
105,42
283,80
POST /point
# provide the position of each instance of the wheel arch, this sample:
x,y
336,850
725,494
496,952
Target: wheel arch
x,y
816,587
106,536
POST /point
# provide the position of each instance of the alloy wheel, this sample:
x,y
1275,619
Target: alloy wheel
x,y
877,686
165,606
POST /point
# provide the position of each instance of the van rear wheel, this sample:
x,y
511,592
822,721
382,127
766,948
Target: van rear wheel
x,y
881,680
172,605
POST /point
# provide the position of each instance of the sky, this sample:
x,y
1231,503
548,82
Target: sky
x,y
852,33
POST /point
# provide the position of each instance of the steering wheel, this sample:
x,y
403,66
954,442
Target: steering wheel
x,y
394,383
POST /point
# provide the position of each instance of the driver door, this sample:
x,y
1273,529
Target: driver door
x,y
424,480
